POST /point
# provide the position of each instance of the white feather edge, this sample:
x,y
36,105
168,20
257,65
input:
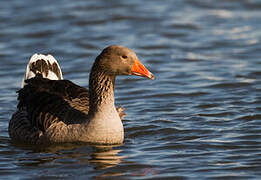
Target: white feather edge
x,y
29,74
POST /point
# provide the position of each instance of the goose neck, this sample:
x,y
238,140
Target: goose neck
x,y
101,88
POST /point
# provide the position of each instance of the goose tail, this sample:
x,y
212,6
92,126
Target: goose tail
x,y
43,65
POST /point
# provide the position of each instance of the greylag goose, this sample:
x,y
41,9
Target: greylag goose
x,y
52,110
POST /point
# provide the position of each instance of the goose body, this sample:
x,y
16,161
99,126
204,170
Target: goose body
x,y
53,110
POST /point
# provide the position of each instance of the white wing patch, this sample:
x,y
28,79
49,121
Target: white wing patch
x,y
47,66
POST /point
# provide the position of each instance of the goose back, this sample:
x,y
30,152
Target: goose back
x,y
44,102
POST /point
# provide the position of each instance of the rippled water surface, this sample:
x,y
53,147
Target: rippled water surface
x,y
199,119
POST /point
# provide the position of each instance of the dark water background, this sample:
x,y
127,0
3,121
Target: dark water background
x,y
199,119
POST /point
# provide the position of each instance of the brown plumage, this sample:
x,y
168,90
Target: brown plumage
x,y
56,111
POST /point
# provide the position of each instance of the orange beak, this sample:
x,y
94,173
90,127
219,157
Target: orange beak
x,y
139,69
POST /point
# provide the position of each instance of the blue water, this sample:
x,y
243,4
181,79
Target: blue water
x,y
199,119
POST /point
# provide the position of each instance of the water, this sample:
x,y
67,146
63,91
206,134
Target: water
x,y
199,119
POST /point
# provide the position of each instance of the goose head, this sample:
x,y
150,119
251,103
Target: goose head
x,y
119,60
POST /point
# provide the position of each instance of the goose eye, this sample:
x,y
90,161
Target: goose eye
x,y
124,57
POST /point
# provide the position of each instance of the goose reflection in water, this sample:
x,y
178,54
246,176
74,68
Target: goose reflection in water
x,y
100,157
